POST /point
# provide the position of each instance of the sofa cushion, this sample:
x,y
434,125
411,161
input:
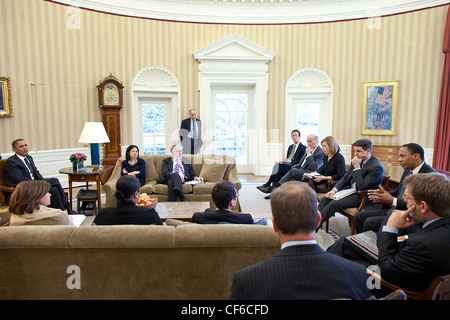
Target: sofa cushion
x,y
204,188
148,187
150,170
213,170
164,189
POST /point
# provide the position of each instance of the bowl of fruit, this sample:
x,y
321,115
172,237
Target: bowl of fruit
x,y
146,201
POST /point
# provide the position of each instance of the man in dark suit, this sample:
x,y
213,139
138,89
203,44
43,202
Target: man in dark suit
x,y
191,133
365,173
411,158
424,255
177,170
20,167
294,154
302,269
225,196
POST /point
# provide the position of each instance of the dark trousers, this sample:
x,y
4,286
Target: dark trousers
x,y
369,220
278,171
174,185
328,207
58,198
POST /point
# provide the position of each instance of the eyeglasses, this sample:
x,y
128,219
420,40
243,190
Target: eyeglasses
x,y
407,198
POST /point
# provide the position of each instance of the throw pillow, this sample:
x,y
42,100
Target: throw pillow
x,y
150,170
213,171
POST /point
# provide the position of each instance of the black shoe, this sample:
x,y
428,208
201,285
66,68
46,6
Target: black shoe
x,y
266,189
268,196
265,185
70,211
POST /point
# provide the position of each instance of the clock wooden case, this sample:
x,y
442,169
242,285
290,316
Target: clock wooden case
x,y
110,95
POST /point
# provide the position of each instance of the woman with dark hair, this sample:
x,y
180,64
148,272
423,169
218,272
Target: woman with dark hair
x,y
127,212
29,205
133,165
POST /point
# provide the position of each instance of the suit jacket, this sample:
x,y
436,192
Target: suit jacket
x,y
16,171
301,272
335,167
368,177
127,212
167,168
313,162
42,216
416,261
185,128
398,193
299,153
210,216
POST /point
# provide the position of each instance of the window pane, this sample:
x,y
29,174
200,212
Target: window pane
x,y
147,111
231,126
308,119
154,131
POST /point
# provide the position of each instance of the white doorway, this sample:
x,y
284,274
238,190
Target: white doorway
x,y
155,110
232,118
237,63
309,114
157,125
309,104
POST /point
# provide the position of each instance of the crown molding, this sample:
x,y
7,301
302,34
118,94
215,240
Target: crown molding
x,y
254,11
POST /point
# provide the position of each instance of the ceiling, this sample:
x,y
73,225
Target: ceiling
x,y
254,11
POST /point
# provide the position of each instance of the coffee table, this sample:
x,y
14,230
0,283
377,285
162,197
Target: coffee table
x,y
180,210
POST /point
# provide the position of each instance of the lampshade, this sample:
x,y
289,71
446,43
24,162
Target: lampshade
x,y
93,132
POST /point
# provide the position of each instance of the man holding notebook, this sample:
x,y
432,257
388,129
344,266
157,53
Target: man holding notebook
x,y
365,173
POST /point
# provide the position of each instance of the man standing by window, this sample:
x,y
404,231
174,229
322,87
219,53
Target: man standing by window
x,y
191,133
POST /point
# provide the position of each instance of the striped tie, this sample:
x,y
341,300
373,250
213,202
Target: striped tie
x,y
179,169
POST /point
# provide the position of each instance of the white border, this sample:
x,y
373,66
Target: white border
x,y
254,11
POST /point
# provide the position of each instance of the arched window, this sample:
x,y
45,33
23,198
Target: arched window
x,y
309,103
155,101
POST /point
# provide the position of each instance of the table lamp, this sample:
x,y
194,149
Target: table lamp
x,y
94,133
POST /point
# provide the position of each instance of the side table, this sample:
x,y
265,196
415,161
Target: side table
x,y
82,176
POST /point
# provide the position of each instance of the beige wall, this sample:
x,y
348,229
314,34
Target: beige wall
x,y
54,68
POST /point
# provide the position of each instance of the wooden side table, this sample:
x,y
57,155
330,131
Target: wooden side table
x,y
83,176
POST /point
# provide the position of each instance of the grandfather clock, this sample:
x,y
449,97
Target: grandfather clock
x,y
110,97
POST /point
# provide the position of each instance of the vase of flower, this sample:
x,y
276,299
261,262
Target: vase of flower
x,y
77,160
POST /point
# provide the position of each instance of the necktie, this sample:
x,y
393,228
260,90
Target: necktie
x,y
179,169
27,162
194,129
291,156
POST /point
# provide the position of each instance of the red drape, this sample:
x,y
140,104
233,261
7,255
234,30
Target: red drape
x,y
441,155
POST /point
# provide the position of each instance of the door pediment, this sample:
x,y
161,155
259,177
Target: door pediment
x,y
235,50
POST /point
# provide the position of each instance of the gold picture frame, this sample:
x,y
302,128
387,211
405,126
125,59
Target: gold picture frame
x,y
379,108
5,98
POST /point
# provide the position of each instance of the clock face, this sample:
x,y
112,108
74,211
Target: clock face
x,y
111,95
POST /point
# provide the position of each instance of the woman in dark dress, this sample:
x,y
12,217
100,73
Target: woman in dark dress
x,y
133,165
333,167
127,212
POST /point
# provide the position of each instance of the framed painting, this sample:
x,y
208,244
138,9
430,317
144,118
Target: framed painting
x,y
5,98
379,108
